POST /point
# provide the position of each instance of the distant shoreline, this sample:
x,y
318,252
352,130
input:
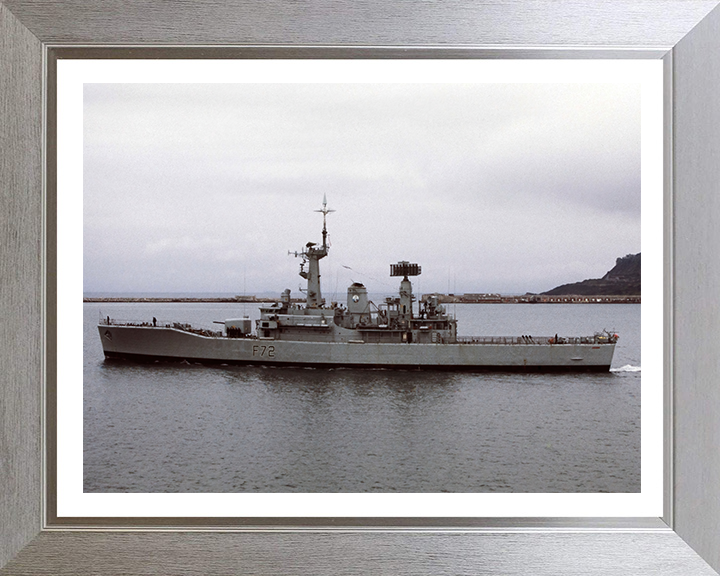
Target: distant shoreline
x,y
189,299
445,298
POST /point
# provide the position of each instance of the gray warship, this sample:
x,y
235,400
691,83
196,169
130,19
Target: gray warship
x,y
359,334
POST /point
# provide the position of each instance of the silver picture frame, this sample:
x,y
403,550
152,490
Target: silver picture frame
x,y
685,34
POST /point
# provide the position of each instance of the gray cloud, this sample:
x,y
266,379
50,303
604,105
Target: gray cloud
x,y
490,187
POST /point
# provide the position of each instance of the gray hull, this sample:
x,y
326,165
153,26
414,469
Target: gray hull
x,y
165,343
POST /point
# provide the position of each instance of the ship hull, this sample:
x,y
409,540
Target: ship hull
x,y
145,343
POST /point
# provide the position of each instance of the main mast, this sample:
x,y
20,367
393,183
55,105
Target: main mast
x,y
311,255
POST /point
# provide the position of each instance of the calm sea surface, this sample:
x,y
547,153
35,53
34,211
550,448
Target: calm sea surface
x,y
170,427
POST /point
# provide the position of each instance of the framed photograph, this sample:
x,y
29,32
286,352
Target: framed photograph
x,y
408,151
64,506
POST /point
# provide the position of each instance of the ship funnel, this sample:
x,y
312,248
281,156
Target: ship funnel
x,y
357,302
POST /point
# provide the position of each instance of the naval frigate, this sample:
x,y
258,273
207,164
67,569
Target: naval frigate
x,y
359,334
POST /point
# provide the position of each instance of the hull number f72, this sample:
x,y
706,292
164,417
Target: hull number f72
x,y
266,351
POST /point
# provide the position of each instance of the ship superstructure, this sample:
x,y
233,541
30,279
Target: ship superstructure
x,y
359,333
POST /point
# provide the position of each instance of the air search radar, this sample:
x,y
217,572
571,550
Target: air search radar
x,y
405,269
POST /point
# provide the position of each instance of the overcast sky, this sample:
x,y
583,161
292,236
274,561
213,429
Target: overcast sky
x,y
490,188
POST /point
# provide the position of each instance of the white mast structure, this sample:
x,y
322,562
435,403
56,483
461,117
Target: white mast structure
x,y
312,254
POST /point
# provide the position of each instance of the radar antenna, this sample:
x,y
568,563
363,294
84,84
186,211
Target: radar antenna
x,y
405,268
324,212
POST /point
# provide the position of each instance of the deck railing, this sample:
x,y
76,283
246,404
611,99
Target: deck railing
x,y
184,326
539,340
504,340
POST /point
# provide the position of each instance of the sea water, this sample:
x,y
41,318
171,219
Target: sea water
x,y
178,427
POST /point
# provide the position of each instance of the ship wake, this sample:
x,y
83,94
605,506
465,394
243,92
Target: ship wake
x,y
626,368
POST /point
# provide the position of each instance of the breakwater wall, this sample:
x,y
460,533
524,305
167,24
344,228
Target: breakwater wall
x,y
186,299
532,299
444,298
